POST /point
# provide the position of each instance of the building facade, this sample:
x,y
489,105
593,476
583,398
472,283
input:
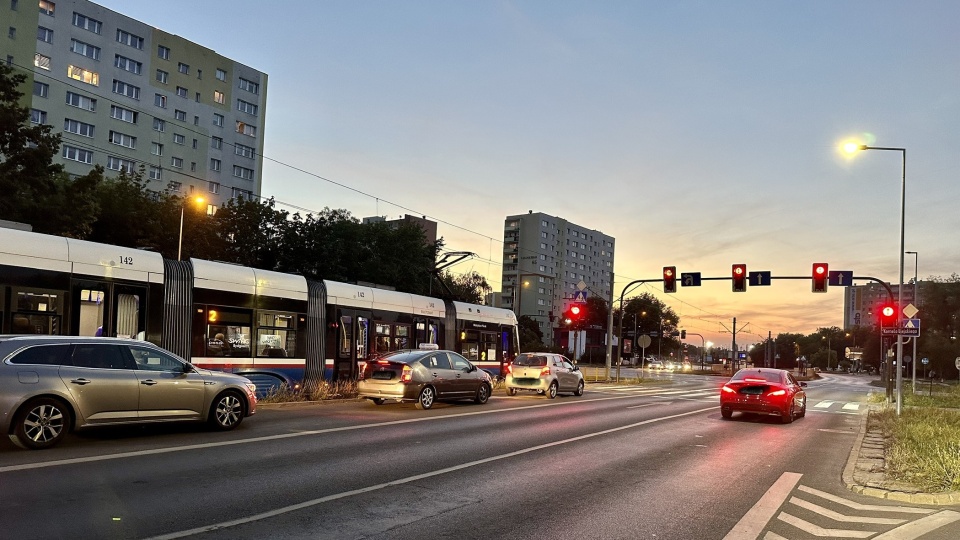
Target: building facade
x,y
126,95
545,258
862,303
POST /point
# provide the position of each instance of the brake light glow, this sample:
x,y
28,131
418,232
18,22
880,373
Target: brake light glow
x,y
407,374
778,393
728,389
508,369
545,371
752,379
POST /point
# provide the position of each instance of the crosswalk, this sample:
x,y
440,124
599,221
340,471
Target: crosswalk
x,y
712,395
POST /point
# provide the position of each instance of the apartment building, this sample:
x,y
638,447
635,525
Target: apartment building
x,y
126,95
545,258
862,303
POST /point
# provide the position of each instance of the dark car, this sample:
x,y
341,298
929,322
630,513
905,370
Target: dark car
x,y
50,385
773,392
423,376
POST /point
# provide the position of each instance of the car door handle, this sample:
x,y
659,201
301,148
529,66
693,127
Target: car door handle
x,y
81,381
149,382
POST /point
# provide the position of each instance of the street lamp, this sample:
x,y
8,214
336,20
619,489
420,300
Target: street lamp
x,y
198,200
916,300
851,148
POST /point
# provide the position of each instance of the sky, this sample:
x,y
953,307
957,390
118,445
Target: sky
x,y
697,134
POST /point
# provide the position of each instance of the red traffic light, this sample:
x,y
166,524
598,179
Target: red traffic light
x,y
575,312
739,277
669,279
819,277
888,314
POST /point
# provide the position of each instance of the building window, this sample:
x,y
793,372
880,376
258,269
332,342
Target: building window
x,y
178,138
249,86
38,117
155,173
238,193
132,40
159,125
243,172
47,7
122,139
41,61
177,162
245,151
125,89
80,128
213,187
82,21
216,142
163,52
181,91
194,144
214,164
196,97
180,115
127,64
77,154
193,166
118,164
221,75
123,114
162,76
244,128
156,149
82,102
183,68
90,77
196,120
43,34
218,120
175,186
244,106
41,89
160,100
12,33
218,96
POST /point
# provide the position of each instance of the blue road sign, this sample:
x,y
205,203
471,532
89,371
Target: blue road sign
x,y
579,296
911,323
690,279
758,278
840,278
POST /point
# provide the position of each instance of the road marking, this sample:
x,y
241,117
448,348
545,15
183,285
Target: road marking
x,y
866,507
816,530
773,536
649,404
836,516
841,431
202,446
851,407
409,479
753,522
824,405
920,527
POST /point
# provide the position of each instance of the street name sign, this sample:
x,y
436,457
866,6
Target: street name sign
x,y
915,332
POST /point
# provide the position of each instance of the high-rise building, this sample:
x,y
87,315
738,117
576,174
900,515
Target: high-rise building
x,y
127,95
545,259
862,303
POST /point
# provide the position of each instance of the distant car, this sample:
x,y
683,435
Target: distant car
x,y
423,376
655,365
50,385
773,392
687,366
545,373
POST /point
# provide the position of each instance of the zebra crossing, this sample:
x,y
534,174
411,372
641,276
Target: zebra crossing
x,y
712,395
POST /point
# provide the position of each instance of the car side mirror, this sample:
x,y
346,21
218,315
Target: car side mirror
x,y
187,367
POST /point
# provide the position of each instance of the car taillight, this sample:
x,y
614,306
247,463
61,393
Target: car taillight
x,y
545,371
508,369
728,389
407,374
778,393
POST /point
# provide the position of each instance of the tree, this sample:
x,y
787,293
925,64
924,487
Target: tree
x,y
531,337
470,287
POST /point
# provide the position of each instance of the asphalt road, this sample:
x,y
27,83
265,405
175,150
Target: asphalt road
x,y
618,462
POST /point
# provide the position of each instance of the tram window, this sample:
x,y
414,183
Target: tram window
x,y
401,337
38,301
228,332
363,333
91,312
128,315
36,312
470,344
346,336
276,334
488,346
383,337
433,334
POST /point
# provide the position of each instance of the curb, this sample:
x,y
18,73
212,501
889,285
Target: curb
x,y
865,474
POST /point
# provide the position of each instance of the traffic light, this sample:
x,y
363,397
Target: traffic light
x,y
576,313
739,278
888,315
669,279
820,277
683,334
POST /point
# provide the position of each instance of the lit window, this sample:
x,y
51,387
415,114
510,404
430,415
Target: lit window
x,y
47,7
218,96
41,61
82,75
246,129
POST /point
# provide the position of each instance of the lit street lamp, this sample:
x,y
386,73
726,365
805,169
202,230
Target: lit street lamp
x,y
854,147
198,200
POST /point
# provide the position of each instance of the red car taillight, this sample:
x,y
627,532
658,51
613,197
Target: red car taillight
x,y
728,389
545,371
778,393
507,369
407,374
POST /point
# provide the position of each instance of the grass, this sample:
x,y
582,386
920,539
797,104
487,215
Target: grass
x,y
318,392
923,443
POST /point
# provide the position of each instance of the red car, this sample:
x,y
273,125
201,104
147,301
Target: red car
x,y
772,392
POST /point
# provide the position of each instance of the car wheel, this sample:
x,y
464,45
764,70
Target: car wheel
x,y
427,397
483,394
227,411
552,391
789,416
726,414
803,411
378,400
40,424
579,390
511,391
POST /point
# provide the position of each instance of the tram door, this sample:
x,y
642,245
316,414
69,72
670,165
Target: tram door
x,y
107,309
353,343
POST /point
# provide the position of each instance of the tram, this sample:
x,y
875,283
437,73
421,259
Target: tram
x,y
271,327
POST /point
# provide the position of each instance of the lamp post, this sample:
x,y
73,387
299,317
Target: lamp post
x,y
854,147
916,300
198,200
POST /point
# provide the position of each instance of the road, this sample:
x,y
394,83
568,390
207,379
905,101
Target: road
x,y
618,462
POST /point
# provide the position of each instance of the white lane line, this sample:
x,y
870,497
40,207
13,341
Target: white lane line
x,y
866,507
851,407
202,446
817,530
407,480
753,522
920,527
824,404
843,518
773,536
650,404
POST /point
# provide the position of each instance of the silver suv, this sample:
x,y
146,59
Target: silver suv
x,y
546,373
50,385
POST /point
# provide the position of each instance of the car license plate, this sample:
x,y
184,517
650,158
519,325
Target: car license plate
x,y
383,374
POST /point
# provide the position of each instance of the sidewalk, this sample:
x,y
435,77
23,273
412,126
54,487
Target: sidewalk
x,y
865,473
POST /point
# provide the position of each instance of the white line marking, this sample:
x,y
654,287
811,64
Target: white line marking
x,y
141,453
920,527
852,407
843,518
752,523
407,480
773,536
824,404
867,507
816,530
649,405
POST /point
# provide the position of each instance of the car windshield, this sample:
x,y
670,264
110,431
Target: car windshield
x,y
529,360
757,376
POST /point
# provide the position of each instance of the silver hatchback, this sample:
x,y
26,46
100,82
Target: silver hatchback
x,y
545,373
50,385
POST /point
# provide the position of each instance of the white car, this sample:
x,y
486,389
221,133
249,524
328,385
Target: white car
x,y
655,365
545,373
